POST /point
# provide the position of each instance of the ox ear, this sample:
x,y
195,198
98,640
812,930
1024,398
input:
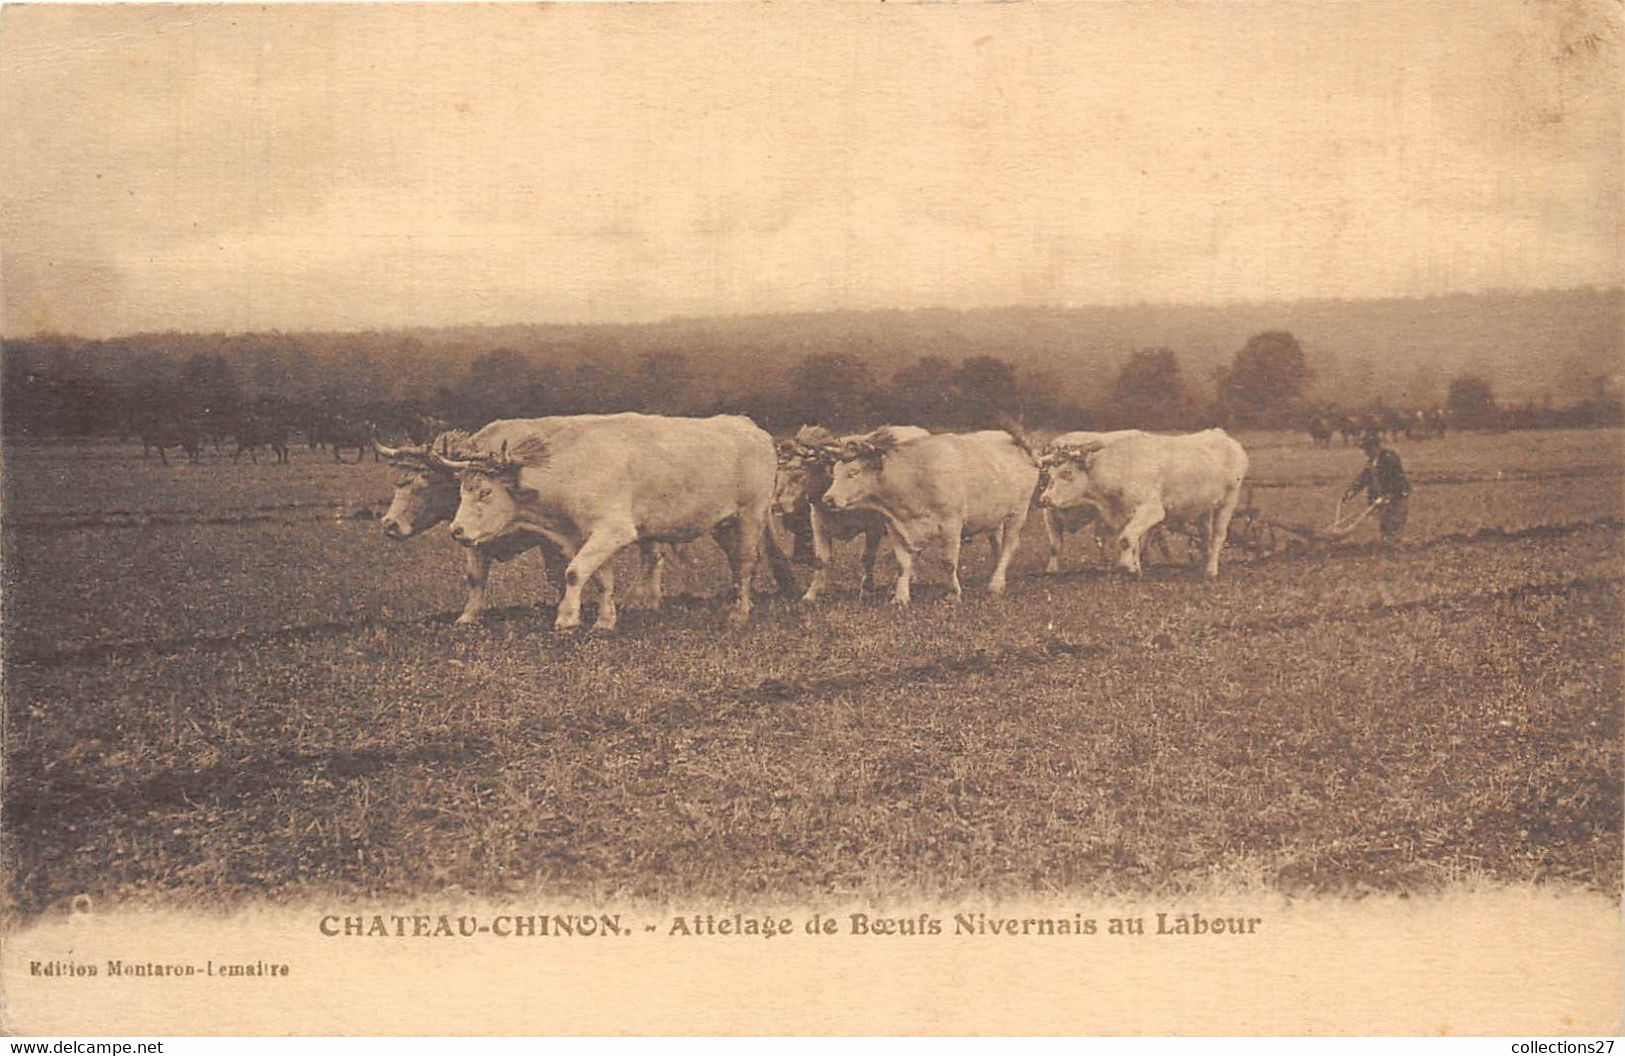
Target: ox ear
x,y
1086,455
1078,455
529,451
864,450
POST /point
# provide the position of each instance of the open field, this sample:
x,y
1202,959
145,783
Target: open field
x,y
223,681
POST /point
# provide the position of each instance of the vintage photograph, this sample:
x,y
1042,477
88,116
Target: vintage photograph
x,y
667,473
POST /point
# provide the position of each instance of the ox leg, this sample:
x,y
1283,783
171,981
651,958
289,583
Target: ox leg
x,y
554,561
1097,534
163,457
1129,540
1009,537
654,568
905,568
587,562
821,557
1057,537
784,575
608,614
731,536
1157,537
871,553
1220,530
727,536
954,538
752,529
477,570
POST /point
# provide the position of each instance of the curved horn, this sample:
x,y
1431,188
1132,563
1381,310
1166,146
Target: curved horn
x,y
387,452
1082,454
438,459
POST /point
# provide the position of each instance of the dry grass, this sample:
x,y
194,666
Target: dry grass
x,y
290,714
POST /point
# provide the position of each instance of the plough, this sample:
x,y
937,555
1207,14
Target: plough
x,y
1251,529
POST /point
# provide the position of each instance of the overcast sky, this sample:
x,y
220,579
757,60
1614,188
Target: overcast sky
x,y
374,166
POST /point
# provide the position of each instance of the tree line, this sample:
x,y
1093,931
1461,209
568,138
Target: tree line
x,y
59,387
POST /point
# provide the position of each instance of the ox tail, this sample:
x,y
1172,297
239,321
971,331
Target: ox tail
x,y
1018,433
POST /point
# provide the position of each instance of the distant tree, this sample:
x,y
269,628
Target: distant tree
x,y
1471,401
662,382
1266,378
498,385
1424,387
987,390
356,378
1150,392
1041,403
596,388
209,384
832,389
923,393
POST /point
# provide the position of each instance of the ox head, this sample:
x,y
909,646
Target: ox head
x,y
804,469
857,470
425,492
1064,476
490,495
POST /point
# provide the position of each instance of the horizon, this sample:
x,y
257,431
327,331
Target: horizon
x,y
232,169
1592,289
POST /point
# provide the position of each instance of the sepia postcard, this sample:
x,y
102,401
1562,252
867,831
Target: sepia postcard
x,y
850,518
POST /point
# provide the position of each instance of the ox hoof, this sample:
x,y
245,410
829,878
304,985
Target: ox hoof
x,y
737,619
809,597
566,625
603,628
467,619
901,603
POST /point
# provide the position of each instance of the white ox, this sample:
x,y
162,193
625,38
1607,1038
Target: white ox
x,y
1138,482
946,487
1059,523
804,475
426,493
601,483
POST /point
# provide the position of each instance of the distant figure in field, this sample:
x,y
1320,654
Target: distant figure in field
x,y
1383,478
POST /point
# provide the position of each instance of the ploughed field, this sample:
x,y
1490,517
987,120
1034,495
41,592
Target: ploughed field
x,y
224,681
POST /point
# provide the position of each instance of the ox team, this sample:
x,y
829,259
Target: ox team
x,y
581,488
